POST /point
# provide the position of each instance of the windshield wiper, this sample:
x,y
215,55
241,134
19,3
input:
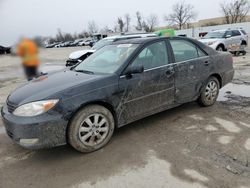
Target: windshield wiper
x,y
85,71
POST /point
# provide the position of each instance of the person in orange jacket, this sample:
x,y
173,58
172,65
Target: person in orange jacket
x,y
28,51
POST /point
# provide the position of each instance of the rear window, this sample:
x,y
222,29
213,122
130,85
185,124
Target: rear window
x,y
244,32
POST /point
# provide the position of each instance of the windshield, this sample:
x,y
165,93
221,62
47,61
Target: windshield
x,y
106,60
213,35
102,43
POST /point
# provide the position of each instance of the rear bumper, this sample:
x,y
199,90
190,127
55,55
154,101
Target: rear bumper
x,y
38,132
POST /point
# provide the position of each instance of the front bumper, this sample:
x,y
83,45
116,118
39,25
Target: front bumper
x,y
43,131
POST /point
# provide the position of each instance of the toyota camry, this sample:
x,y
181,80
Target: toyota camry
x,y
120,83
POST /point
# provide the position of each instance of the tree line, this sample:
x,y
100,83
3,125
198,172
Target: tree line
x,y
233,11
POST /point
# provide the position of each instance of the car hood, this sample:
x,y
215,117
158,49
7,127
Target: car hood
x,y
48,85
78,54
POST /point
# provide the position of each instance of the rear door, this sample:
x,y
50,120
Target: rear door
x,y
237,38
228,41
191,66
151,90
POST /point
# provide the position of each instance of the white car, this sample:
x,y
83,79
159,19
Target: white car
x,y
85,42
79,56
234,40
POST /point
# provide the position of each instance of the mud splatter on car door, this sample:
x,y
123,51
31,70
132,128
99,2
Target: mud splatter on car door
x,y
151,89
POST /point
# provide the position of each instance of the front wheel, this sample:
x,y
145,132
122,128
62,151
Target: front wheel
x,y
220,48
210,92
91,128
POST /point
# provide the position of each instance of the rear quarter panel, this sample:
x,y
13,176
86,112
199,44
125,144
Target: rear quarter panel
x,y
223,66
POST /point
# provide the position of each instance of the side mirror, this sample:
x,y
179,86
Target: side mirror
x,y
135,70
228,36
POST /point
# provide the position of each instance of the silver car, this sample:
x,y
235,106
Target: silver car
x,y
234,40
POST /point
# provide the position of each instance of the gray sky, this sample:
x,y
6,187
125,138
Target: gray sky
x,y
44,17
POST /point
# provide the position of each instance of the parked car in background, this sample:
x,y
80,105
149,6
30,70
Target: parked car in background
x,y
59,45
5,50
79,56
232,40
76,42
50,45
120,83
85,42
67,44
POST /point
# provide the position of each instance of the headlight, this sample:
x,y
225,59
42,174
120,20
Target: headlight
x,y
35,108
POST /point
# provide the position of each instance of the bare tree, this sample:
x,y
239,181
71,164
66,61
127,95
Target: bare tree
x,y
39,40
92,27
106,29
68,37
139,21
182,14
150,23
235,11
121,24
225,11
116,28
127,22
59,35
83,34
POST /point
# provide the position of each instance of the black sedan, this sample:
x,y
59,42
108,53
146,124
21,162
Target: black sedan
x,y
120,83
5,50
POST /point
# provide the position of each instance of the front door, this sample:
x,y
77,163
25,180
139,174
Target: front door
x,y
151,90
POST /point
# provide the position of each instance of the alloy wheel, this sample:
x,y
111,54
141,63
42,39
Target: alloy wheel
x,y
211,91
93,130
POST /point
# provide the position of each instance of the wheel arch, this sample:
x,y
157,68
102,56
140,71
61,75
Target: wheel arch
x,y
218,76
244,42
105,104
222,45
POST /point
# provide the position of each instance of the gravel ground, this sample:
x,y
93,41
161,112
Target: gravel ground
x,y
187,146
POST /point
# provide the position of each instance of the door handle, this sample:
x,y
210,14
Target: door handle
x,y
170,72
206,63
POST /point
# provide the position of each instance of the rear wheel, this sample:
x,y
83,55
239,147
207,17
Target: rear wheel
x,y
91,128
210,92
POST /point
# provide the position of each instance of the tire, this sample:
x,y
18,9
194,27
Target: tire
x,y
91,128
220,48
209,92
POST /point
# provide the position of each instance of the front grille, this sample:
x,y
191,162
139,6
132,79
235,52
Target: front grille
x,y
11,107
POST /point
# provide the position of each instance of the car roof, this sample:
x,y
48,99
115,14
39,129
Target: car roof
x,y
131,35
138,40
224,30
148,39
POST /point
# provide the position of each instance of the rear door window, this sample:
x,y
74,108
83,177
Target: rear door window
x,y
235,33
244,32
201,53
184,50
153,56
228,33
